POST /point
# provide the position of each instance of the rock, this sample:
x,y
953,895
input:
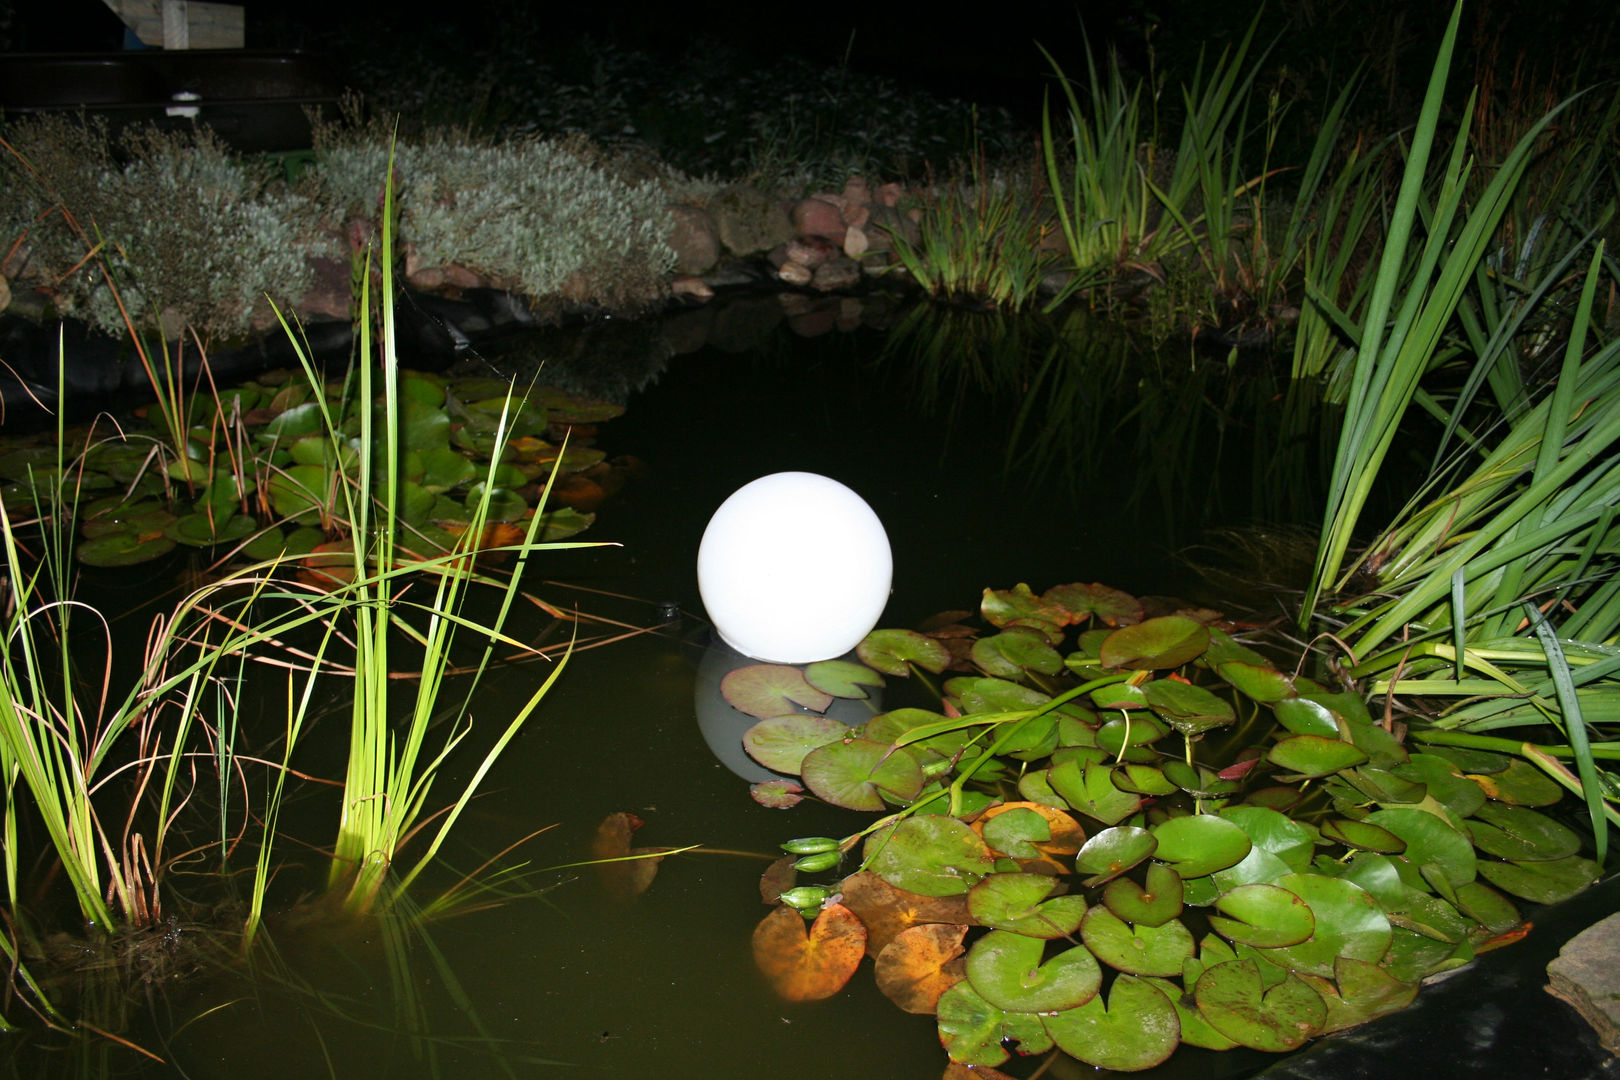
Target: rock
x,y
457,276
695,239
748,220
810,252
889,194
837,274
855,242
328,295
1586,974
5,294
694,287
857,215
819,216
857,193
795,273
885,222
813,321
426,278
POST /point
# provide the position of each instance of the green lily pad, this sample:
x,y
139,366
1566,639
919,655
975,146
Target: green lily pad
x,y
1132,729
929,854
973,1031
1120,695
1521,784
771,690
1293,843
1432,844
444,469
1198,780
200,530
1360,834
1488,907
124,547
1258,679
1195,1030
1152,904
1200,844
1112,852
558,525
1016,832
1136,1028
1010,655
1189,709
1542,882
843,678
1166,642
301,492
1006,970
891,651
1314,755
1275,1020
1258,867
293,424
1002,606
1263,916
997,695
1453,791
1089,789
1023,903
1108,606
780,742
1349,922
1303,716
1362,992
1469,760
1143,779
504,503
1137,949
1520,834
857,774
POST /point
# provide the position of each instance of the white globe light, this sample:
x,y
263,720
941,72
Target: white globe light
x,y
794,568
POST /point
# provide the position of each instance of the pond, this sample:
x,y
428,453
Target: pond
x,y
994,453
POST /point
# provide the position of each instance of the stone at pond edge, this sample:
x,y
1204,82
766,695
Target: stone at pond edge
x,y
1586,974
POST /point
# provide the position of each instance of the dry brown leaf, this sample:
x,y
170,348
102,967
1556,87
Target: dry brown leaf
x,y
627,879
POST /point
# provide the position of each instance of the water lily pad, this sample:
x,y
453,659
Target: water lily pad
x,y
1469,760
1263,916
293,424
1290,841
919,965
858,774
1521,784
1314,755
1016,833
1276,1020
1061,834
1542,882
1132,729
974,1032
1089,789
843,678
558,525
1165,642
891,651
929,854
1007,971
780,742
1360,834
1360,992
1303,716
1488,907
1024,904
1520,834
444,469
1349,922
123,547
1200,844
888,910
1010,655
771,690
1002,606
1453,791
808,964
1432,844
1107,605
504,503
1137,949
1195,1030
301,492
1112,852
996,695
201,530
1189,709
1258,679
1136,1028
777,794
1152,904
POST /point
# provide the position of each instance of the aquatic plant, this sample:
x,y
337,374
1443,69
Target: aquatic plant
x,y
1109,793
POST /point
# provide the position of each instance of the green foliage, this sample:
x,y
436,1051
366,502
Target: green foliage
x,y
1163,766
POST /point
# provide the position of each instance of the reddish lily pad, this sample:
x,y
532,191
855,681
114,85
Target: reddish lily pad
x,y
780,742
771,690
1282,1018
929,854
1137,949
777,794
1007,971
858,773
1136,1028
1010,655
1002,606
893,651
1155,644
1107,605
888,911
1063,834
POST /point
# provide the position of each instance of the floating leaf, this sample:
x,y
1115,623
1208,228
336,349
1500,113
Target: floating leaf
x,y
771,690
622,877
1542,882
808,964
1263,916
780,742
1189,709
1521,835
1137,1028
1431,842
1089,789
1015,834
1081,602
777,794
1450,789
1200,844
1010,655
1363,992
887,910
1349,922
1063,834
124,547
1195,1030
1258,679
1521,784
973,1031
1166,642
929,854
919,965
1488,907
1360,834
1112,852
1002,606
1277,1020
302,492
1303,716
1137,949
1007,971
1153,904
842,678
201,530
858,773
1019,902
890,651
1314,755
1293,843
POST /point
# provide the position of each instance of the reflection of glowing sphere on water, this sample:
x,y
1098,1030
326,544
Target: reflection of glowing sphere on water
x,y
793,568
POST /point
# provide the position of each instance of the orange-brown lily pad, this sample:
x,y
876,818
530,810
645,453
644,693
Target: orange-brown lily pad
x,y
809,963
888,911
920,964
629,871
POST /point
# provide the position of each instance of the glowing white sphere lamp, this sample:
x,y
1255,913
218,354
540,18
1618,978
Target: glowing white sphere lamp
x,y
794,567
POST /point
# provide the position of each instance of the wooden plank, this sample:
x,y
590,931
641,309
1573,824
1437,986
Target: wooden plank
x,y
182,24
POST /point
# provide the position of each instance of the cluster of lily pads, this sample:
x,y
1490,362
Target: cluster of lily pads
x,y
1122,831
261,475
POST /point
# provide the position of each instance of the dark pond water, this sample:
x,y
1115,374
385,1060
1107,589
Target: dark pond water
x,y
993,453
